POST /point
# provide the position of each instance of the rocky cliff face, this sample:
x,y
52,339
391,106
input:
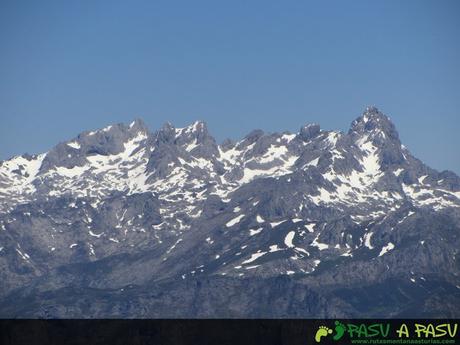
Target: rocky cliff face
x,y
122,222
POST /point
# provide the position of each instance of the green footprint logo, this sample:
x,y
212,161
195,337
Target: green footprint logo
x,y
322,332
340,329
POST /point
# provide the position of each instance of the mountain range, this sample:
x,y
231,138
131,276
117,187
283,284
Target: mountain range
x,y
125,222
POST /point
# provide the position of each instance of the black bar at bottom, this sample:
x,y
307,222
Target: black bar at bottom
x,y
232,332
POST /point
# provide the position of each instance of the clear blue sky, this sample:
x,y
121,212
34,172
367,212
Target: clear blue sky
x,y
69,66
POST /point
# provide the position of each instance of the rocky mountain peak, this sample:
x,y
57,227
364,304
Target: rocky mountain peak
x,y
110,140
309,131
197,130
375,123
198,127
166,134
138,125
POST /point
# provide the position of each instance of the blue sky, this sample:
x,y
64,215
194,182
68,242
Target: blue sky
x,y
69,66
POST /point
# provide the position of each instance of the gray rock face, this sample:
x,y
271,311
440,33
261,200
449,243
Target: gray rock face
x,y
308,132
124,222
108,141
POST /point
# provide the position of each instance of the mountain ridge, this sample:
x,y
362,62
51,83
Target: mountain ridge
x,y
324,212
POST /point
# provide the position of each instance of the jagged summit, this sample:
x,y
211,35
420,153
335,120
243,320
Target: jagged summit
x,y
309,131
138,125
197,130
374,122
196,127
